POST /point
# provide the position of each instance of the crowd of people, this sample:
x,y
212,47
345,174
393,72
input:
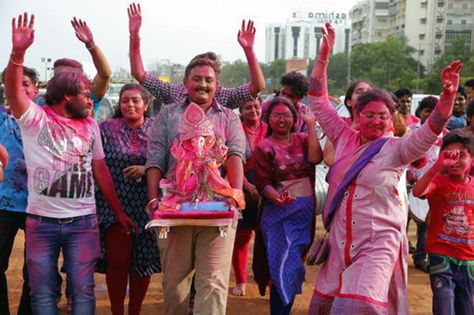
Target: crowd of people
x,y
87,189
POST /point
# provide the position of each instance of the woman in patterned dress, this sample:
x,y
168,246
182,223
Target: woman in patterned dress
x,y
127,259
284,172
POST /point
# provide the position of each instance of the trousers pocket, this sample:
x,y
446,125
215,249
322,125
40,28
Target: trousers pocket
x,y
437,265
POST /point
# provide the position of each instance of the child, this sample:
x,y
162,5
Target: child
x,y
450,223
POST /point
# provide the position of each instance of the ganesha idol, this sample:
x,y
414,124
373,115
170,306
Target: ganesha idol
x,y
197,194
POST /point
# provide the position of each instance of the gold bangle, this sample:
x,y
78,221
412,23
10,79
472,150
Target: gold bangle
x,y
16,63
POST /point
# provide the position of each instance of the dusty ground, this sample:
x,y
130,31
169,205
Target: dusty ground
x,y
418,290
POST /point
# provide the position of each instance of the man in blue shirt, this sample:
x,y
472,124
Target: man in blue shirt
x,y
13,194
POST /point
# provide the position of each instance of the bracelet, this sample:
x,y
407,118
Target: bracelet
x,y
18,64
91,47
148,206
325,62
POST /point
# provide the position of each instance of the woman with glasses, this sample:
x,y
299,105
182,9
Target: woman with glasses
x,y
365,271
284,172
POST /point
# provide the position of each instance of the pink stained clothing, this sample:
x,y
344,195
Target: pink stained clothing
x,y
411,121
368,243
58,154
451,226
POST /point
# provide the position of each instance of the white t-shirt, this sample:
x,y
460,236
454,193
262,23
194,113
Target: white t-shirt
x,y
58,154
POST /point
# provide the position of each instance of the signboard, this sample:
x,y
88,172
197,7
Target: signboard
x,y
298,65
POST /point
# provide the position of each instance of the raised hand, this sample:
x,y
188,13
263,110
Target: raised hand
x,y
246,35
23,33
329,37
450,77
83,32
134,18
307,116
448,158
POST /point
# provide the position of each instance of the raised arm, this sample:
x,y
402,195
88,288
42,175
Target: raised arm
x,y
318,98
23,35
134,24
445,160
246,38
315,154
318,81
102,78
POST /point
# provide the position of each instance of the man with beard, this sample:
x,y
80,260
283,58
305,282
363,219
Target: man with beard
x,y
197,250
63,152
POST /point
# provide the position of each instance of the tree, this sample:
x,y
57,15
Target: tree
x,y
273,72
337,73
388,64
457,51
234,74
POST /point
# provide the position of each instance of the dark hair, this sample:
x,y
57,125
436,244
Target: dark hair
x,y
375,95
66,62
402,92
62,84
258,100
297,82
469,83
280,100
350,90
455,137
470,109
145,95
428,102
29,72
206,59
462,92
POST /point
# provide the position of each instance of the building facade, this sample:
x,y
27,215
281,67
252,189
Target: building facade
x,y
429,25
300,37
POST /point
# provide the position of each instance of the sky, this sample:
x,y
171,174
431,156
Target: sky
x,y
175,30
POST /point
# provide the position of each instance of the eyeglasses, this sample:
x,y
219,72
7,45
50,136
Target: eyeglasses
x,y
278,116
372,115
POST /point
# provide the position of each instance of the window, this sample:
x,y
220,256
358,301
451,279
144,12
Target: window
x,y
424,5
381,5
422,52
437,51
439,20
438,35
422,36
463,22
403,25
450,22
423,21
440,4
465,5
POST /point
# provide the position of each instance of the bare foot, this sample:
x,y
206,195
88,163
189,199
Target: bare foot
x,y
239,289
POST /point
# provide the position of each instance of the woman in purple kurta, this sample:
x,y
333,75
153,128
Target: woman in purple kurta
x,y
284,172
365,272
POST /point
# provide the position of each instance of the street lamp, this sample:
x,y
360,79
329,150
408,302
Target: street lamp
x,y
47,62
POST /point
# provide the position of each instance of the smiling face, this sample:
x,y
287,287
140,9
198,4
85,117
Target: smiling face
x,y
251,112
133,106
281,119
374,119
201,84
459,104
463,165
79,106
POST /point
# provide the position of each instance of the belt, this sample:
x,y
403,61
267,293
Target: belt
x,y
55,220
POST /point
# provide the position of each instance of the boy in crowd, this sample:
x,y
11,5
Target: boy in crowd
x,y
450,193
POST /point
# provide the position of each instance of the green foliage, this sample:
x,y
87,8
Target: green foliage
x,y
431,84
273,72
234,74
388,64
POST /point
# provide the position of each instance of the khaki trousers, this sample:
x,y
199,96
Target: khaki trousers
x,y
201,251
